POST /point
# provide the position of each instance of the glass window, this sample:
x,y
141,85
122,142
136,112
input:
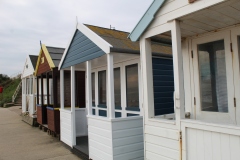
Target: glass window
x,y
213,80
117,87
102,88
93,89
132,86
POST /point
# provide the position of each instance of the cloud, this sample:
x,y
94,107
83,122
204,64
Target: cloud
x,y
25,22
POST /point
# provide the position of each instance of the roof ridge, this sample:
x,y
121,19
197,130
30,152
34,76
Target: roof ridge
x,y
107,28
55,47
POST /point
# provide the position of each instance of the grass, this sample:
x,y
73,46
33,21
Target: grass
x,y
6,96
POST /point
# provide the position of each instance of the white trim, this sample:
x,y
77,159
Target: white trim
x,y
178,73
89,87
110,87
62,88
66,50
73,120
99,41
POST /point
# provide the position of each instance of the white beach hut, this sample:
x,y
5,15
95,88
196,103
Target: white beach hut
x,y
205,38
110,126
29,90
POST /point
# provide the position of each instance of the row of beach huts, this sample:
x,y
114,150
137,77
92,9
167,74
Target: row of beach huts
x,y
170,89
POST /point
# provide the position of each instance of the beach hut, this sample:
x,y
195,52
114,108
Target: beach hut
x,y
48,88
110,126
29,90
204,121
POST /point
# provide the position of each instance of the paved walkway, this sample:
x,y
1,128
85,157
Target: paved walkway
x,y
20,141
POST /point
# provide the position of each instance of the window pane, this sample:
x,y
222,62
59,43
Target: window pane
x,y
93,89
117,87
213,78
132,85
102,87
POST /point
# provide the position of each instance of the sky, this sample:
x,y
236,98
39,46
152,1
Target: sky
x,y
23,23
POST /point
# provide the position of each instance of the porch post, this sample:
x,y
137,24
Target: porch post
x,y
110,87
178,73
147,77
47,89
37,90
73,105
42,96
89,87
62,88
33,94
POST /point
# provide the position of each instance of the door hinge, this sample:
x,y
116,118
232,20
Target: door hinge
x,y
231,48
235,103
192,54
194,100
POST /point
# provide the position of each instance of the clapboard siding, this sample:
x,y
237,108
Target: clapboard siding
x,y
43,67
161,143
100,139
163,85
115,139
65,124
81,49
204,144
128,138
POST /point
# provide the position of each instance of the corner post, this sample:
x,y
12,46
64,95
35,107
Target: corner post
x,y
178,73
110,87
147,77
62,88
73,105
89,87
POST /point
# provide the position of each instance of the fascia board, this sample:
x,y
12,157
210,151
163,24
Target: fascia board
x,y
146,19
99,41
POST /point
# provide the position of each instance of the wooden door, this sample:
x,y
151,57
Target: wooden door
x,y
214,78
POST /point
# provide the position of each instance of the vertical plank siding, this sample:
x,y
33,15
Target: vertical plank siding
x,y
81,49
43,67
204,144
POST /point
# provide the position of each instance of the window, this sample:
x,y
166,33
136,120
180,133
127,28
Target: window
x,y
102,89
93,89
213,80
132,92
117,88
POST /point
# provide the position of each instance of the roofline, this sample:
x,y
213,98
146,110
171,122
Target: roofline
x,y
107,28
95,38
146,20
48,57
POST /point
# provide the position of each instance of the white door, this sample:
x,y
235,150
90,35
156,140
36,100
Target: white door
x,y
235,38
213,78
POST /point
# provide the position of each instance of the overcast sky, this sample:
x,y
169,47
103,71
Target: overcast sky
x,y
23,23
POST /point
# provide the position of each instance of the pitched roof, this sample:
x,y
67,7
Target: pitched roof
x,y
33,59
146,20
55,54
121,43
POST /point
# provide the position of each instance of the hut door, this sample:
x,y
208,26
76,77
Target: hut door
x,y
214,79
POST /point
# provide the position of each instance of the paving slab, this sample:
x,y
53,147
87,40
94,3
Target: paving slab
x,y
20,141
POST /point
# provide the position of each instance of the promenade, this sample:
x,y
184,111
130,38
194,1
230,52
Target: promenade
x,y
20,141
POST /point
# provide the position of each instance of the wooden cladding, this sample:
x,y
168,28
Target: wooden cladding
x,y
43,65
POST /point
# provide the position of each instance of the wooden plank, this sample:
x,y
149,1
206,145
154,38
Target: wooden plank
x,y
162,151
42,100
161,141
55,87
216,146
225,146
191,28
208,145
127,133
162,132
234,147
153,156
104,140
230,11
200,145
126,141
198,24
191,146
